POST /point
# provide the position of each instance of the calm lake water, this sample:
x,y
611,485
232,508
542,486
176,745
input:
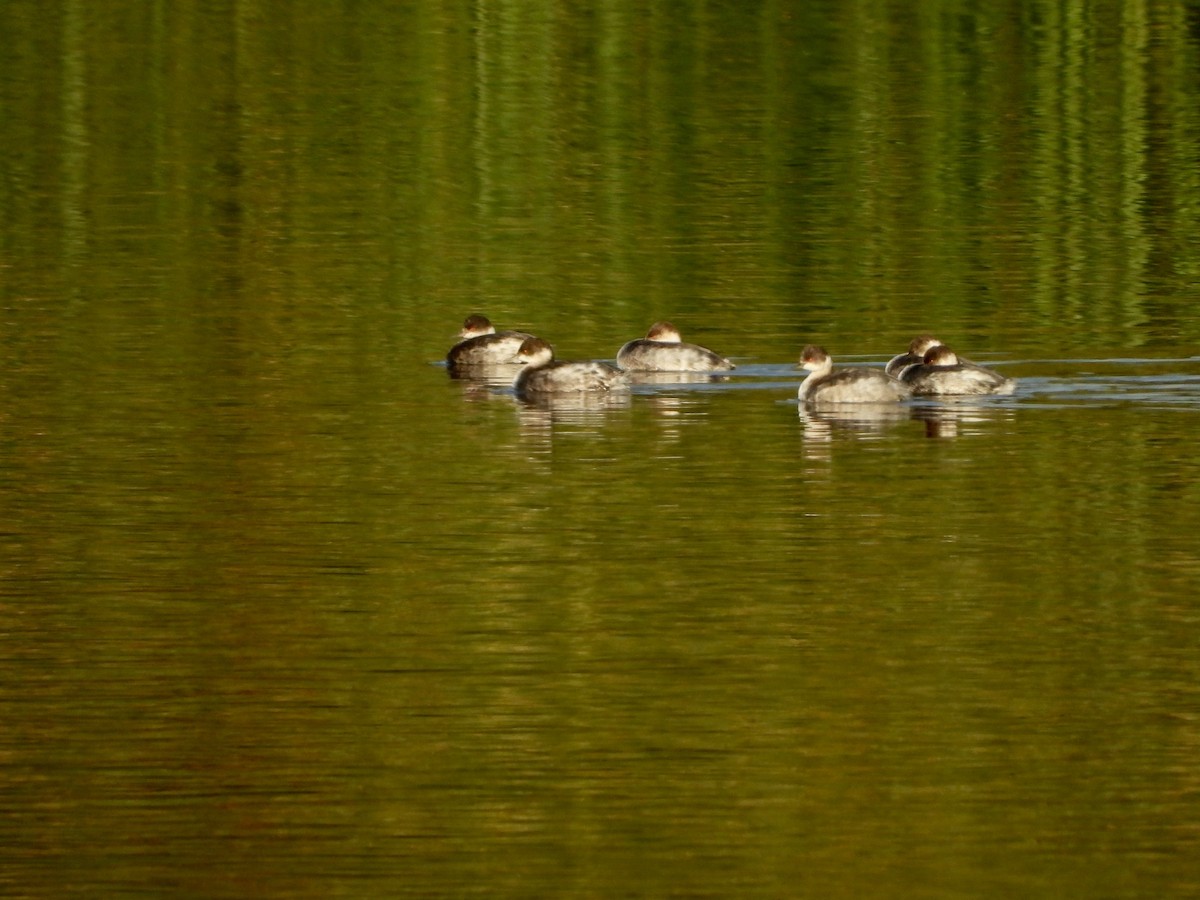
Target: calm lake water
x,y
287,611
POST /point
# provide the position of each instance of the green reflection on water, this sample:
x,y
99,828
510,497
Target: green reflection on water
x,y
278,593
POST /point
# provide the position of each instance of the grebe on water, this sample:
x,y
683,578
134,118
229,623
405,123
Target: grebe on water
x,y
663,350
852,385
479,344
544,375
917,348
941,373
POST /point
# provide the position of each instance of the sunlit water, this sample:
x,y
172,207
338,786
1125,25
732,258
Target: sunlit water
x,y
286,610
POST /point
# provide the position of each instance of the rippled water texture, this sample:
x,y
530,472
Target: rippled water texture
x,y
286,610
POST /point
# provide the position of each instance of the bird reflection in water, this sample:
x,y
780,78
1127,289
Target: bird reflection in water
x,y
542,411
674,412
951,419
946,419
485,376
862,420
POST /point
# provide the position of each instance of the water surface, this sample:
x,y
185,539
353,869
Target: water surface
x,y
286,610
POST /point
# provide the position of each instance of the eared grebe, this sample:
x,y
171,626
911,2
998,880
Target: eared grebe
x,y
543,375
663,350
917,348
854,385
942,373
479,344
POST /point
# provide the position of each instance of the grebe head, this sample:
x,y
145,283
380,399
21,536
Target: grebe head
x,y
475,326
922,344
664,332
535,352
940,355
814,358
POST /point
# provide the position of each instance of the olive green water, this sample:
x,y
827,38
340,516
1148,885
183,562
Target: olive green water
x,y
286,611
